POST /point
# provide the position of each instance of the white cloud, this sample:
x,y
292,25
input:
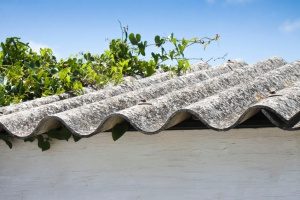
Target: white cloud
x,y
37,46
290,26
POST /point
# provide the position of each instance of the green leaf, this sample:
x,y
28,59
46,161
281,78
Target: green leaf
x,y
60,134
119,130
142,47
77,85
173,39
155,57
76,138
138,37
150,69
184,42
171,54
63,74
29,139
54,70
181,49
132,39
8,143
6,139
43,143
158,41
182,65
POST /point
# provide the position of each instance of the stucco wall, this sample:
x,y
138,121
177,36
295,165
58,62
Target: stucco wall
x,y
239,164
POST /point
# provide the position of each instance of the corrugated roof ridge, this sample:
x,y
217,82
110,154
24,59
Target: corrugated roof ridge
x,y
285,102
183,112
34,115
206,89
69,117
284,74
179,82
246,92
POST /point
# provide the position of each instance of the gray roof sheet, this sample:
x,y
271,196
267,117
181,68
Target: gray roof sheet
x,y
220,97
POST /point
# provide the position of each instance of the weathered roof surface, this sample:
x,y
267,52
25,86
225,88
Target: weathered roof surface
x,y
220,97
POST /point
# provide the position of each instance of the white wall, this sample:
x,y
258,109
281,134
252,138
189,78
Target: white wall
x,y
239,164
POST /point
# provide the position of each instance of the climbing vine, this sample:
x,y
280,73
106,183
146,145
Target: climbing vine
x,y
26,74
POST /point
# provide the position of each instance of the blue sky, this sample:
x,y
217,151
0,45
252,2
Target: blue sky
x,y
250,29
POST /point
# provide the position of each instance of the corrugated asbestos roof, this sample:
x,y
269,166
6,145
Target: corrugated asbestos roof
x,y
220,97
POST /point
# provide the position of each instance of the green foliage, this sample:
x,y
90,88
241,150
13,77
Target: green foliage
x,y
119,130
6,139
26,75
44,140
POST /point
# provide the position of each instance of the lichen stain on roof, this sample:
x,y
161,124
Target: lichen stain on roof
x,y
220,97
